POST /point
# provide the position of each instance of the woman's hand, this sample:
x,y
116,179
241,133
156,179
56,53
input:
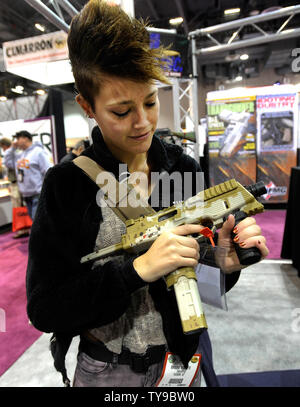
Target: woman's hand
x,y
170,251
247,234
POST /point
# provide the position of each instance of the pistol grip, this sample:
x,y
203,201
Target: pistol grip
x,y
246,256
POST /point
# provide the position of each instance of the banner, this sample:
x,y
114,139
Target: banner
x,y
231,140
42,130
42,48
277,129
43,59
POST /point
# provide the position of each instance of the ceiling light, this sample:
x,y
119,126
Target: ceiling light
x,y
41,92
39,27
18,89
3,98
176,21
231,11
244,57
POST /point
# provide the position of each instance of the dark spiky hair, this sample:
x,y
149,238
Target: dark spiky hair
x,y
103,40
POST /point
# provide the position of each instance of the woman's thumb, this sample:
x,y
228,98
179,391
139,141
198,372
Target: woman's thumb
x,y
227,227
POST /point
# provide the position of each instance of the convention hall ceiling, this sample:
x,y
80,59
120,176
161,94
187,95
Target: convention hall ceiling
x,y
18,19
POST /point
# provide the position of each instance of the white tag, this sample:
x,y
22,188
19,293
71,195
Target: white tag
x,y
211,285
20,175
175,375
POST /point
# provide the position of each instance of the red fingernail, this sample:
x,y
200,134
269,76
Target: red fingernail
x,y
242,244
259,242
236,239
235,230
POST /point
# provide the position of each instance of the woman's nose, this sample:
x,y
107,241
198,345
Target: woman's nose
x,y
141,119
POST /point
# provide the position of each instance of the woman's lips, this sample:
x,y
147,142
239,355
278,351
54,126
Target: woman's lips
x,y
142,137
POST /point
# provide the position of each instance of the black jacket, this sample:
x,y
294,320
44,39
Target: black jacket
x,y
68,157
67,297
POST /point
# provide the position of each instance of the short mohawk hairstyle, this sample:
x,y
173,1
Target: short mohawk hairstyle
x,y
103,39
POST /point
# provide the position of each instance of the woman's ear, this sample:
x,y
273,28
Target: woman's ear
x,y
85,106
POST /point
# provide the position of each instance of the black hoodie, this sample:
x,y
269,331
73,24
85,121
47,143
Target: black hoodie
x,y
67,297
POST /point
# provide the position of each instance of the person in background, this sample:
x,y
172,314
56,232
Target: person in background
x,y
75,152
30,165
5,143
15,196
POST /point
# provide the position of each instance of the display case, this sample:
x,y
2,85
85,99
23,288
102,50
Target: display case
x,y
4,188
5,203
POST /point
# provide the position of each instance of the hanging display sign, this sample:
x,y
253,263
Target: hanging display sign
x,y
231,127
277,129
42,48
177,64
43,59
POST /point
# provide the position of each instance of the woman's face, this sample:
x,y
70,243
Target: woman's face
x,y
127,114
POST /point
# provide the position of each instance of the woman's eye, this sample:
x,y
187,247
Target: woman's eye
x,y
121,114
150,104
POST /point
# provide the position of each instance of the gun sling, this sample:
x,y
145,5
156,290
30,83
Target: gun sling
x,y
96,349
123,211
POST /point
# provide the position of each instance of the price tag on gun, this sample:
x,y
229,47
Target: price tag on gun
x,y
175,375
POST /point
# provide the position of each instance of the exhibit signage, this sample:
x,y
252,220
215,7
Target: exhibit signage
x,y
42,130
253,137
277,126
231,127
177,63
42,48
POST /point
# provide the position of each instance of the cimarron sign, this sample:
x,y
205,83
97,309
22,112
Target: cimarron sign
x,y
42,48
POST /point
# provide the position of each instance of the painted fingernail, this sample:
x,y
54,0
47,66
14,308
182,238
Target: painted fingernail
x,y
236,239
235,230
242,244
259,242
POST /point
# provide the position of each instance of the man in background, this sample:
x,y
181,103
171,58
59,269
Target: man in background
x,y
15,196
30,164
76,151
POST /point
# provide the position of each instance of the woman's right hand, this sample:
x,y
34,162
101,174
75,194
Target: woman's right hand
x,y
170,251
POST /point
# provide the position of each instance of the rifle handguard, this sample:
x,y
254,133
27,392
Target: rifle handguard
x,y
173,277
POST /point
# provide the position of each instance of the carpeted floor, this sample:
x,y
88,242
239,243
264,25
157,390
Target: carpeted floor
x,y
272,224
16,335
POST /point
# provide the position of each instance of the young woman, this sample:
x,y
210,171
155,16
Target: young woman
x,y
119,306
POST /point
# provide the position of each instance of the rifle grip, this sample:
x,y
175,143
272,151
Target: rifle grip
x,y
246,256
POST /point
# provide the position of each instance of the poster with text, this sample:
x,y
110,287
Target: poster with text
x,y
42,130
277,127
232,140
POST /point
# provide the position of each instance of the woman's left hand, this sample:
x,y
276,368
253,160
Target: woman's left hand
x,y
247,234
